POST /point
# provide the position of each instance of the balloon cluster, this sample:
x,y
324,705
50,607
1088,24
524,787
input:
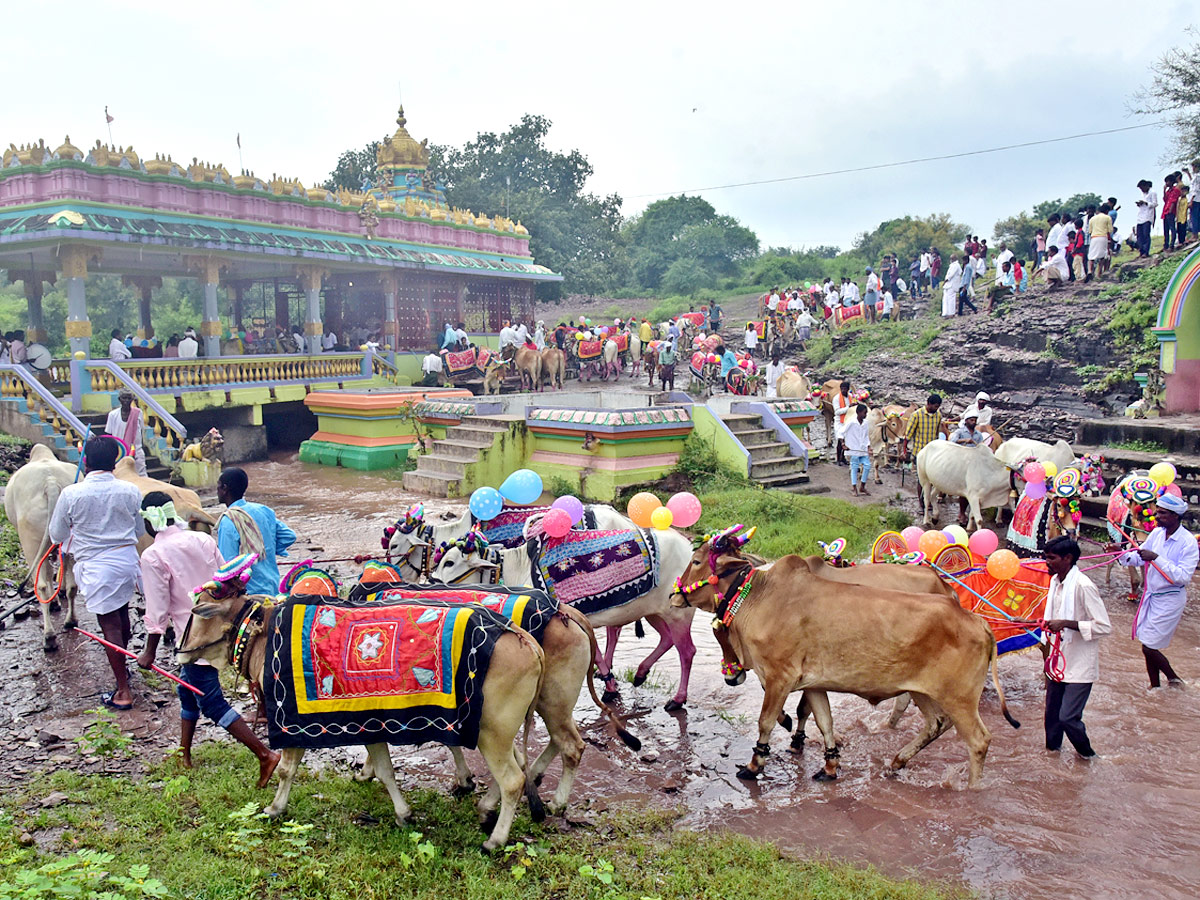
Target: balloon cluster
x,y
981,543
647,511
564,514
521,488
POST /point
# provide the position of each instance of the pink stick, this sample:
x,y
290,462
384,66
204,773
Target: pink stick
x,y
132,655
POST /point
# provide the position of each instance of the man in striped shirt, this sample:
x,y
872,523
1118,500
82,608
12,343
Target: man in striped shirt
x,y
923,427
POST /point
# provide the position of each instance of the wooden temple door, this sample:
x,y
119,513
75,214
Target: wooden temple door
x,y
412,314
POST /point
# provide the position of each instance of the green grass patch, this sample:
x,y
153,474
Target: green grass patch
x,y
788,523
12,566
1140,446
877,341
201,837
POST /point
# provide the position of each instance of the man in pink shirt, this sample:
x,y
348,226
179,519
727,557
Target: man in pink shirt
x,y
178,562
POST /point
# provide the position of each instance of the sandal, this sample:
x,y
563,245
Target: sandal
x,y
107,699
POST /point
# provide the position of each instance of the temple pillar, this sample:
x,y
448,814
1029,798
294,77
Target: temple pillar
x,y
146,284
236,289
208,270
33,284
78,326
311,278
391,324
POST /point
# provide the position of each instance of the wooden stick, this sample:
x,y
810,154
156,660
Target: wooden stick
x,y
132,655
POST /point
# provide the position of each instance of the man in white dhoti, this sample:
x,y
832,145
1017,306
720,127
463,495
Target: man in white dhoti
x,y
842,405
98,522
1168,558
125,423
1076,614
950,288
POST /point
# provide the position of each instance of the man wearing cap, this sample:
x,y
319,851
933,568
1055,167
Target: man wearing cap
x,y
125,423
1168,560
98,520
178,562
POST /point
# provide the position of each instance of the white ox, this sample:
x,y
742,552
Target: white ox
x,y
793,385
29,502
1016,452
971,472
673,625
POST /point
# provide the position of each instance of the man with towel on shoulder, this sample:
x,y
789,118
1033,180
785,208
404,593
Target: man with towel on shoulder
x,y
98,521
251,528
1168,560
125,423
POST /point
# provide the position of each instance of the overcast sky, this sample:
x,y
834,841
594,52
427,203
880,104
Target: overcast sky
x,y
661,97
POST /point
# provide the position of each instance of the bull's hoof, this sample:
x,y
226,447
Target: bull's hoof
x,y
673,706
488,822
822,775
70,624
639,680
796,747
747,774
463,790
49,643
786,721
55,606
610,696
537,809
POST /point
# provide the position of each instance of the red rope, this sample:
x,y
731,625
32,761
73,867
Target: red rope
x,y
1056,663
37,575
365,557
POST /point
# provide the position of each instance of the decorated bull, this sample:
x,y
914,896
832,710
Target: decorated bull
x,y
569,645
885,430
1044,513
376,673
1130,518
614,577
974,473
800,633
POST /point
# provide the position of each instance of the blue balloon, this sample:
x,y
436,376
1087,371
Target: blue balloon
x,y
522,487
486,503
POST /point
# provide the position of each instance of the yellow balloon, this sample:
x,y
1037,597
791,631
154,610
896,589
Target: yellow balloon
x,y
1163,473
1051,469
662,518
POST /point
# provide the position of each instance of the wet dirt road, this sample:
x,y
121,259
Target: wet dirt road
x,y
1044,825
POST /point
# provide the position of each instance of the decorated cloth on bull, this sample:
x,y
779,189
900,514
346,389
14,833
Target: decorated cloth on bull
x,y
622,341
1027,530
887,545
1023,597
596,570
589,349
507,529
696,318
846,313
460,362
529,609
1130,508
760,329
485,357
342,673
737,382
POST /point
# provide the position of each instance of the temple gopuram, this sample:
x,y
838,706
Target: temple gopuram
x,y
391,259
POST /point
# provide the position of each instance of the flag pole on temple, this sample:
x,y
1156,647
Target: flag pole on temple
x,y
108,120
241,165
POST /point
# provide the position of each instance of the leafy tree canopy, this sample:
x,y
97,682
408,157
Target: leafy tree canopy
x,y
1174,92
685,227
354,167
907,237
1019,230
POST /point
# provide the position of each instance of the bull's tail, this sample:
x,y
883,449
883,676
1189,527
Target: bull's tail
x,y
618,722
50,492
994,664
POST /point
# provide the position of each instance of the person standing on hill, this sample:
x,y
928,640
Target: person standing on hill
x,y
1171,195
858,447
954,276
1100,237
935,268
924,425
1147,206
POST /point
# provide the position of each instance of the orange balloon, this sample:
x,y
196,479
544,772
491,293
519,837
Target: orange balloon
x,y
1003,565
642,507
931,542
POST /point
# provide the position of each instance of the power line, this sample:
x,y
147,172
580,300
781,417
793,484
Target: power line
x,y
892,165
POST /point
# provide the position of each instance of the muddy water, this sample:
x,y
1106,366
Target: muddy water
x,y
1044,825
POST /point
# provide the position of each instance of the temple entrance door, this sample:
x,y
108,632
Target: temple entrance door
x,y
412,316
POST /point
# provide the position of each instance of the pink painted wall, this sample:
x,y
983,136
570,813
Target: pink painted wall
x,y
119,188
1183,387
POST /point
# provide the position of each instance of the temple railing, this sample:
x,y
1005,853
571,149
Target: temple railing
x,y
383,367
169,434
17,382
175,375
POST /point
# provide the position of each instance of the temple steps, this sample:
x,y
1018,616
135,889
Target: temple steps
x,y
441,472
771,462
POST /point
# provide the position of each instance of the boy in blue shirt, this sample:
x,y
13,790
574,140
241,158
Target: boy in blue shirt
x,y
251,528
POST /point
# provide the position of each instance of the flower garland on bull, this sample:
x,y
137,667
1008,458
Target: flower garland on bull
x,y
230,581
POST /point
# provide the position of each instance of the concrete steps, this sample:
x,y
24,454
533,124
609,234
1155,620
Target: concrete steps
x,y
771,462
441,472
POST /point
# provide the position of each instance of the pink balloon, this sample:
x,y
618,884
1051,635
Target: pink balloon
x,y
1034,471
1035,490
557,523
912,537
983,542
571,506
685,509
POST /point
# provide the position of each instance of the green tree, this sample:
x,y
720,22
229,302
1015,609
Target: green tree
x,y
1174,92
515,173
907,237
685,227
686,276
1019,230
1071,206
354,167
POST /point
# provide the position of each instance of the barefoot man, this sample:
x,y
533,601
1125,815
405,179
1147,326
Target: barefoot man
x,y
179,561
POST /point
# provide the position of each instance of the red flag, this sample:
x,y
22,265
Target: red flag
x,y
107,118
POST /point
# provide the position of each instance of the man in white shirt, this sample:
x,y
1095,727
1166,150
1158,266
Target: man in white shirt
x,y
461,334
793,303
889,303
508,337
117,350
1055,268
773,300
1147,209
1005,255
125,423
1075,617
773,373
1056,235
298,340
188,347
858,448
432,367
851,296
329,341
950,286
926,262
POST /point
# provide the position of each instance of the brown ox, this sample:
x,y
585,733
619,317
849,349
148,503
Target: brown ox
x,y
798,632
650,358
885,429
793,385
529,364
510,689
493,377
554,366
187,502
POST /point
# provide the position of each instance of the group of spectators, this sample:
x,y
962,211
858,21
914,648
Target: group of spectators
x,y
1180,214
